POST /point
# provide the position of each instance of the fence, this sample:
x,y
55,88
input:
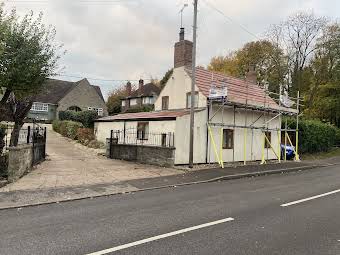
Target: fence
x,y
140,137
34,135
144,147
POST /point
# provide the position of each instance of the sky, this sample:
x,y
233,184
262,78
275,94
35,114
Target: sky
x,y
111,41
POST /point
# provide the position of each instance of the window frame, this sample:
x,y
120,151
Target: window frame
x,y
188,102
226,137
44,107
165,99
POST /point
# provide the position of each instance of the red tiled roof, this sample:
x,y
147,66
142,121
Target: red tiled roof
x,y
147,115
239,91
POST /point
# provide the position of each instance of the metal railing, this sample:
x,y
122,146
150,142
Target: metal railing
x,y
33,134
140,137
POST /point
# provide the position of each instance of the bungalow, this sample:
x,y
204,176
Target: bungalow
x,y
60,95
235,119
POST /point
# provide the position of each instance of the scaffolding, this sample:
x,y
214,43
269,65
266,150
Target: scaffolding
x,y
269,110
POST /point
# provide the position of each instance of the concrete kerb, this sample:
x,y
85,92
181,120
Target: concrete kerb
x,y
221,178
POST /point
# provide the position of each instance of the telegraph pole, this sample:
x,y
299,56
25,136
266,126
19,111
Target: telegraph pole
x,y
193,83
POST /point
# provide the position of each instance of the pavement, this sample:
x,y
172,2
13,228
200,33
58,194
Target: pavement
x,y
239,217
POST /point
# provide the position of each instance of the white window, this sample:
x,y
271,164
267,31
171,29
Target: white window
x,y
147,100
39,107
98,110
133,101
123,103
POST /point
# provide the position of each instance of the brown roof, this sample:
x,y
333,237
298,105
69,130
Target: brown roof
x,y
239,91
171,114
148,90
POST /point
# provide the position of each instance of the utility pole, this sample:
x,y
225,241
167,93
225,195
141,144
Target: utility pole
x,y
193,83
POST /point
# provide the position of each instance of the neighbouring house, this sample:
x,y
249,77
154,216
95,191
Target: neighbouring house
x,y
59,95
224,106
145,95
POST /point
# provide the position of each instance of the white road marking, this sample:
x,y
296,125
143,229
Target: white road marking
x,y
154,238
310,198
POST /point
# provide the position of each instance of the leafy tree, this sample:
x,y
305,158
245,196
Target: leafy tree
x,y
265,56
323,99
114,101
166,77
28,56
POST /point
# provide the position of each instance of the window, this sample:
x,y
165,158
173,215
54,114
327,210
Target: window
x,y
165,103
123,103
189,99
269,138
74,108
147,100
142,130
39,107
133,101
228,139
98,110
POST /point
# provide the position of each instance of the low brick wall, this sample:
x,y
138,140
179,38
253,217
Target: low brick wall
x,y
154,155
19,161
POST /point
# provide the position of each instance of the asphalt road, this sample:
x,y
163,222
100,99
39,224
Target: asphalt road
x,y
233,217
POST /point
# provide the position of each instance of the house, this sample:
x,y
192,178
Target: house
x,y
59,95
145,95
235,119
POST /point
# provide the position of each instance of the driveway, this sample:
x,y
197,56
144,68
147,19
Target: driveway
x,y
70,164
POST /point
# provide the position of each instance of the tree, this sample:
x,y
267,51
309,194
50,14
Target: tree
x,y
265,56
166,77
29,55
297,36
114,101
323,99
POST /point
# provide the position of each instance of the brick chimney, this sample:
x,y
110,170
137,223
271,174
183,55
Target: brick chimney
x,y
251,75
183,51
128,88
141,87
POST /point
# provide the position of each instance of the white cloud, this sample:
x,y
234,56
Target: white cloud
x,y
134,38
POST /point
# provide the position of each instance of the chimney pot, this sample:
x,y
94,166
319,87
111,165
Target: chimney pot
x,y
181,34
141,87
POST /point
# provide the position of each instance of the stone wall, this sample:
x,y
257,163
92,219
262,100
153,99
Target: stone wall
x,y
154,155
19,161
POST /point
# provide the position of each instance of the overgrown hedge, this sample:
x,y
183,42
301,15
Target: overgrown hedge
x,y
315,136
76,131
87,118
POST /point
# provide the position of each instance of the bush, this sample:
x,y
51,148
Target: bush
x,y
337,143
67,128
85,135
72,129
314,136
87,118
56,125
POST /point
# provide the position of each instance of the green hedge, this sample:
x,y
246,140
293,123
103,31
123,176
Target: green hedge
x,y
87,118
67,128
314,136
